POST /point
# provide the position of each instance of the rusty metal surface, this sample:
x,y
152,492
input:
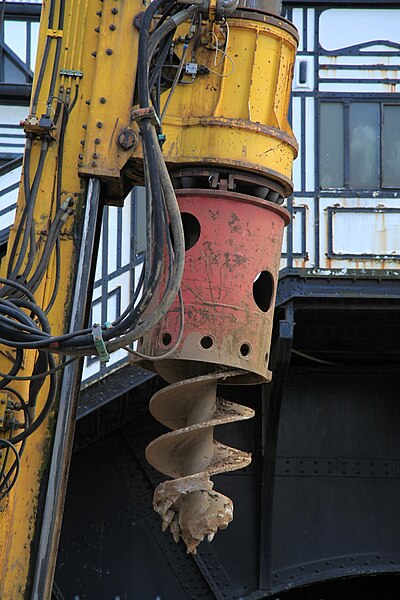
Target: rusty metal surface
x,y
339,235
239,238
247,125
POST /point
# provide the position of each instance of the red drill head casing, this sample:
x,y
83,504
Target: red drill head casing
x,y
233,249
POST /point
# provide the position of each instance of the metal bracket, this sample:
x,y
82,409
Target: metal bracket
x,y
39,127
71,73
145,113
55,33
99,343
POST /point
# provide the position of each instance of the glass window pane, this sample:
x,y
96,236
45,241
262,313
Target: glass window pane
x,y
391,146
364,136
15,37
331,157
12,73
34,43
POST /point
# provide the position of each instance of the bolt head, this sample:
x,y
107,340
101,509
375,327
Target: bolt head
x,y
127,139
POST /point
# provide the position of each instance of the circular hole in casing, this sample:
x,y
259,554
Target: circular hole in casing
x,y
206,342
245,350
263,289
191,230
166,338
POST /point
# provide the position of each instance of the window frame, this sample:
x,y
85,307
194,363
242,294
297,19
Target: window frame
x,y
28,13
346,100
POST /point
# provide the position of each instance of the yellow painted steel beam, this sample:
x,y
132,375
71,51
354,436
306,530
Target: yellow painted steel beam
x,y
86,74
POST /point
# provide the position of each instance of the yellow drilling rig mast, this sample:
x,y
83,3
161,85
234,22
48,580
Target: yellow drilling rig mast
x,y
191,100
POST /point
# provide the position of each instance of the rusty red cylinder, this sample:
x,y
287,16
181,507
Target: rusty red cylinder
x,y
233,250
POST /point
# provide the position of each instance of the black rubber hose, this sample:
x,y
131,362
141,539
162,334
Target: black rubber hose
x,y
42,374
161,59
43,64
172,23
12,324
42,69
30,209
45,410
17,286
166,13
54,74
52,237
133,300
142,71
5,486
27,192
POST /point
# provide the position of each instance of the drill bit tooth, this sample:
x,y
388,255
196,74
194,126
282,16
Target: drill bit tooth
x,y
190,455
169,515
164,526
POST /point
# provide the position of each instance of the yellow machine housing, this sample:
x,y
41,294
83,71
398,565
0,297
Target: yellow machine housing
x,y
236,117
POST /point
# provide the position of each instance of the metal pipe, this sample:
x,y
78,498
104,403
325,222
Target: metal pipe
x,y
226,7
